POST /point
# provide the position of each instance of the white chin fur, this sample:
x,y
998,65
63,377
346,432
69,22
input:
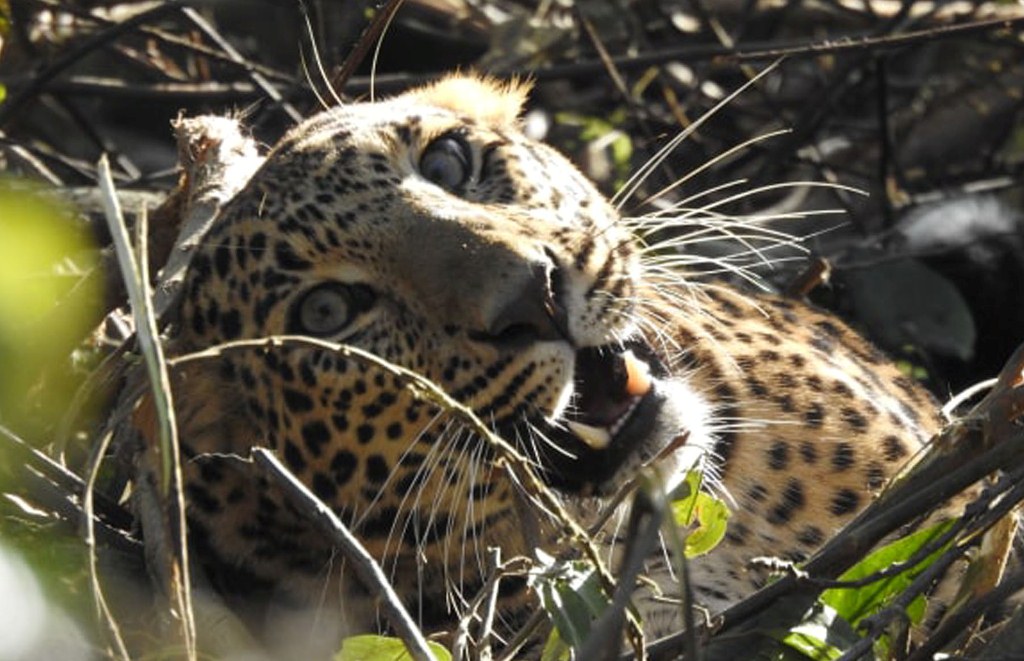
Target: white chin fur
x,y
684,412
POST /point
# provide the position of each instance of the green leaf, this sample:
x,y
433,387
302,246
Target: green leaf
x,y
821,636
572,595
854,604
811,646
684,499
690,505
383,648
555,649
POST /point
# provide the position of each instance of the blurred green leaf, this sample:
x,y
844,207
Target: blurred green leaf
x,y
603,134
383,648
555,649
47,304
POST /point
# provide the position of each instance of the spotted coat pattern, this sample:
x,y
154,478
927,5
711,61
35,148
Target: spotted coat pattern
x,y
439,238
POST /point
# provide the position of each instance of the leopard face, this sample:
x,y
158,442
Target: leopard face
x,y
429,232
443,242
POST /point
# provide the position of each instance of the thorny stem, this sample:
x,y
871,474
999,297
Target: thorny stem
x,y
952,627
514,567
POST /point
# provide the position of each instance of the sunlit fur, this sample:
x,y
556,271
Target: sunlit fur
x,y
793,418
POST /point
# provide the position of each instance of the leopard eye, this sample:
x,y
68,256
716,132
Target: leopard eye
x,y
326,309
446,162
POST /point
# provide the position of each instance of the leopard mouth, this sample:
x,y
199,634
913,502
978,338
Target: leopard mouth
x,y
613,413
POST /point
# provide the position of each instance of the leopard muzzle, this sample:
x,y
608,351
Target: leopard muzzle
x,y
613,411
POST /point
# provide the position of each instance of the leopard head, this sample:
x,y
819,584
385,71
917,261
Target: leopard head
x,y
429,231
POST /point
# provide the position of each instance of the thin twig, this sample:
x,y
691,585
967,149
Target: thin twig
x,y
180,43
366,40
753,52
37,490
646,516
25,454
854,44
518,566
483,644
103,608
674,536
108,87
366,568
25,155
255,76
135,275
12,107
523,636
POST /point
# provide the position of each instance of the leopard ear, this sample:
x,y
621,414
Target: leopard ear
x,y
483,98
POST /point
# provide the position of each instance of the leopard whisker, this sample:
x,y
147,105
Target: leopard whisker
x,y
643,172
456,466
413,443
742,271
654,328
479,460
664,217
718,226
711,162
753,255
423,476
311,34
469,553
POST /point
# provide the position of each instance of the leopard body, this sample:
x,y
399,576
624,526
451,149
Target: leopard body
x,y
429,231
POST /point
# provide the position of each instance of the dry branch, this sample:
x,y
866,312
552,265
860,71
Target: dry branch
x,y
217,160
366,569
173,561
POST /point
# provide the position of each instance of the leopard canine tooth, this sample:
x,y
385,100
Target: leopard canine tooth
x,y
595,437
638,375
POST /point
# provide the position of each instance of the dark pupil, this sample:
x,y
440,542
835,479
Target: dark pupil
x,y
323,312
445,163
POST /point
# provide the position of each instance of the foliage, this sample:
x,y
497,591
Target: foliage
x,y
46,305
383,648
573,598
822,636
855,604
692,506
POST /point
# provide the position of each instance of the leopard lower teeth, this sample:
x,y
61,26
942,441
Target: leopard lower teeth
x,y
599,438
595,437
621,422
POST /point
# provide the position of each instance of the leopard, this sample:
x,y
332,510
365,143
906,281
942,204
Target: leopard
x,y
429,231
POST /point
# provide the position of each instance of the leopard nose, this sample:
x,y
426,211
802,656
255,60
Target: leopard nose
x,y
528,309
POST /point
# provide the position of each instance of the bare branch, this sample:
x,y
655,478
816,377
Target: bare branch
x,y
366,568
